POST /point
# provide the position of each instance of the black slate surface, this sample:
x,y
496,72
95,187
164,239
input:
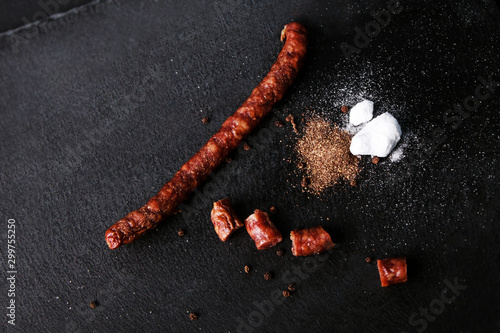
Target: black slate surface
x,y
101,106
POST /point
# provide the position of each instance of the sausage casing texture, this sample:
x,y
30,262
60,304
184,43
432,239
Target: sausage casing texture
x,y
306,242
224,219
263,232
392,271
269,91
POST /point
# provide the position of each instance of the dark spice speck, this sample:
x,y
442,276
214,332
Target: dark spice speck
x,y
305,182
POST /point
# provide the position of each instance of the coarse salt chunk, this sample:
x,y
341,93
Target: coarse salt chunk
x,y
378,137
361,112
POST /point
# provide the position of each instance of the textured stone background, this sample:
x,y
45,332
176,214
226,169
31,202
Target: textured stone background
x,y
99,107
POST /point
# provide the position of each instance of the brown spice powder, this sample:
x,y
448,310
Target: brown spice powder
x,y
324,155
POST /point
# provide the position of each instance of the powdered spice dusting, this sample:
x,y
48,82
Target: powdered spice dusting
x,y
324,156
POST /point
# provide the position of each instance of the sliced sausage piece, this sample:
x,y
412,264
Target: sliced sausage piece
x,y
310,241
263,232
224,219
392,271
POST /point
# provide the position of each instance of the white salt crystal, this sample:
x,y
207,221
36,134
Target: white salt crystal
x,y
396,155
378,137
361,112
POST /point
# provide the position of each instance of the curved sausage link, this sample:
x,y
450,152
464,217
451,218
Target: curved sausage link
x,y
310,241
269,91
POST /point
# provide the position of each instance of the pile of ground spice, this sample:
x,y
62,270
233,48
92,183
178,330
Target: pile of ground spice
x,y
324,156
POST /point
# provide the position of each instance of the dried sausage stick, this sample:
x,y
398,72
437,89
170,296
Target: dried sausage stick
x,y
269,91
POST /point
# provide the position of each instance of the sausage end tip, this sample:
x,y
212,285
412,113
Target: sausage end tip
x,y
112,239
283,33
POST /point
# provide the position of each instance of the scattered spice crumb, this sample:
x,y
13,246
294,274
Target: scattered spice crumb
x,y
246,146
229,159
205,120
181,232
368,259
324,156
273,210
93,304
280,252
286,293
291,287
247,269
193,316
305,182
268,276
278,123
375,160
344,109
290,119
